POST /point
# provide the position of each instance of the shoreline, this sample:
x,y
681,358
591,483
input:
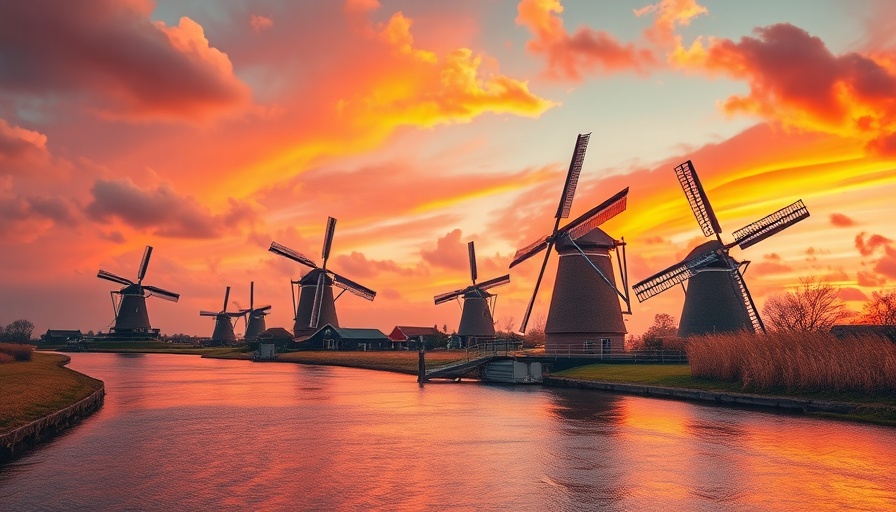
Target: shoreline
x,y
879,414
14,443
866,413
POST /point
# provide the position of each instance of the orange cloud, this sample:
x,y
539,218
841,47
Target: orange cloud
x,y
571,55
668,15
795,79
428,89
112,53
841,221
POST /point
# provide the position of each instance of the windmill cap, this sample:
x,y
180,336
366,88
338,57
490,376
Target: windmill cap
x,y
311,278
594,239
711,245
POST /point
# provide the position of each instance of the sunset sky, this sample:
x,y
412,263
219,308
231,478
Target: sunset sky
x,y
208,129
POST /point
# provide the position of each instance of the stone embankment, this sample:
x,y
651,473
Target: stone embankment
x,y
721,397
14,443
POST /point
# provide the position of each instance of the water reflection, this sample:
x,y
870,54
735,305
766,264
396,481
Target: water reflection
x,y
184,433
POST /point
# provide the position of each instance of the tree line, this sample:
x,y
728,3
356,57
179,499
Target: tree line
x,y
18,331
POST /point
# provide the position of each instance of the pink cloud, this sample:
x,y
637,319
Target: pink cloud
x,y
868,246
162,211
841,221
796,80
260,23
869,279
450,252
852,294
112,53
20,147
571,55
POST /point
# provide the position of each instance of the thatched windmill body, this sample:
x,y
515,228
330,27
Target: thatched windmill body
x,y
476,319
717,298
585,313
255,323
129,303
224,320
316,303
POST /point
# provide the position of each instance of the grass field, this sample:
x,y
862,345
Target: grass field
x,y
680,376
36,388
395,361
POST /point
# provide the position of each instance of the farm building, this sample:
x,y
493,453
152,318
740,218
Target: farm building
x,y
329,337
405,337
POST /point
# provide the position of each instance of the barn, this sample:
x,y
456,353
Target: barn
x,y
330,337
405,337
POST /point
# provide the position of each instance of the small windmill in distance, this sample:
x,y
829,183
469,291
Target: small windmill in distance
x,y
476,319
255,323
316,304
131,317
585,313
223,333
717,298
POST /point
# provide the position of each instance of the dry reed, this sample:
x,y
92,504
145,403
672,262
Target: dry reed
x,y
797,362
17,351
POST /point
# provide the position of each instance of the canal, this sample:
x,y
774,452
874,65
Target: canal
x,y
186,433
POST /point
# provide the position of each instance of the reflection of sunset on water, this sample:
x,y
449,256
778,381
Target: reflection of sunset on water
x,y
238,435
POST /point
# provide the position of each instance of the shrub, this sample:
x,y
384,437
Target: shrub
x,y
16,351
5,358
797,361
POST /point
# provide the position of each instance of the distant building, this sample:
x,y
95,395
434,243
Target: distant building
x,y
277,336
329,337
883,331
61,336
406,337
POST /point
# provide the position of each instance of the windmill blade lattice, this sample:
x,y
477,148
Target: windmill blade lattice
x,y
673,275
572,176
109,276
769,225
162,294
144,263
596,216
693,190
286,252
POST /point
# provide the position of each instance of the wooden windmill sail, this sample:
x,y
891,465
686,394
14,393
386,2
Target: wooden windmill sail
x,y
255,323
129,303
223,333
316,304
476,319
717,298
585,312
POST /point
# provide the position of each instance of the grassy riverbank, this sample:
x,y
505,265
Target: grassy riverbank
x,y
404,361
878,408
36,388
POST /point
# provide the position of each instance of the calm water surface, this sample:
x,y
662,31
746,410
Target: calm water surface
x,y
185,433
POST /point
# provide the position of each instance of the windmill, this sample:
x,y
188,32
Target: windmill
x,y
223,333
316,304
255,324
131,317
476,319
585,307
717,298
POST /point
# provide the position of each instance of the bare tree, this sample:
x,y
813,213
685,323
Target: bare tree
x,y
535,332
505,325
813,306
881,310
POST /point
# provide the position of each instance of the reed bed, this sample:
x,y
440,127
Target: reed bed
x,y
15,351
797,362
